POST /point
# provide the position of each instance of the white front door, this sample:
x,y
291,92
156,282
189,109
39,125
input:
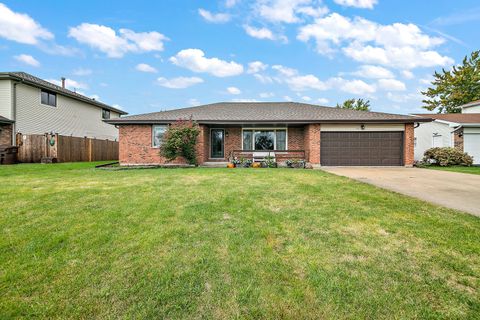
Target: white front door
x,y
471,145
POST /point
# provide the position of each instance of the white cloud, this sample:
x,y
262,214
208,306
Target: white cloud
x,y
193,102
143,67
405,57
256,66
285,71
20,27
408,74
287,98
373,72
265,95
306,98
366,4
263,33
323,101
233,90
366,41
82,72
179,82
391,85
231,3
288,11
70,84
214,17
358,87
114,44
195,60
27,59
263,78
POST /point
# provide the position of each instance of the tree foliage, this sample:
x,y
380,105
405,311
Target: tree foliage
x,y
179,141
355,104
451,89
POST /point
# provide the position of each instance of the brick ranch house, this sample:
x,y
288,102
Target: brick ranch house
x,y
320,135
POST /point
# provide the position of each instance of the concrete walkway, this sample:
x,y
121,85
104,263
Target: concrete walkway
x,y
449,189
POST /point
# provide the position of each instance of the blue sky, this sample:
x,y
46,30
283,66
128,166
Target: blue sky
x,y
145,56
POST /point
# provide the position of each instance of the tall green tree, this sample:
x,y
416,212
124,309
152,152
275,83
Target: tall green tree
x,y
451,89
355,104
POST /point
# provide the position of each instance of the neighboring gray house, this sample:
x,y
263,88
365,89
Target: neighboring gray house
x,y
459,130
30,105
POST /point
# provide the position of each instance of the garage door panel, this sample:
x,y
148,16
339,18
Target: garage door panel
x,y
361,148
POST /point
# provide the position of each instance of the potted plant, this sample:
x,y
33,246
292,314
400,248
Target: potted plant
x,y
235,161
269,162
246,163
295,163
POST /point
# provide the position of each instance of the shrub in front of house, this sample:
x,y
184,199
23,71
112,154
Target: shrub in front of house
x,y
295,163
447,157
179,141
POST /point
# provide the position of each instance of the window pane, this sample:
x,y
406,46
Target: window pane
x,y
105,114
264,140
247,139
217,142
158,133
52,99
44,97
281,140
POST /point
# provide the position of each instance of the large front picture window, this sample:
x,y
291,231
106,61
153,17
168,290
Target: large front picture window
x,y
265,139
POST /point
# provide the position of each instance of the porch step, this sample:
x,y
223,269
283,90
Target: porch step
x,y
216,164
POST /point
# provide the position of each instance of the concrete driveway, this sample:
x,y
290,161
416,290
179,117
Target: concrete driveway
x,y
449,189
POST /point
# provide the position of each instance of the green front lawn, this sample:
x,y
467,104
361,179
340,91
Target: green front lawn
x,y
76,242
472,170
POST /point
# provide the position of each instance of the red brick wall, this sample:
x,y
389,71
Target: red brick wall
x,y
233,140
458,139
135,146
6,134
312,143
295,138
408,145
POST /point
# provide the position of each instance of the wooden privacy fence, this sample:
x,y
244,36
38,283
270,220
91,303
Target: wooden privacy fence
x,y
34,147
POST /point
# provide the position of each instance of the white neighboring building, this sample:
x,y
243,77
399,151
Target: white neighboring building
x,y
30,105
459,130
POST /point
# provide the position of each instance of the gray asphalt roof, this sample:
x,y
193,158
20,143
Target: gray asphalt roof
x,y
35,81
5,120
237,112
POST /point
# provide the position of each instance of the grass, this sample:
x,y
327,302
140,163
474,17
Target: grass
x,y
462,169
78,242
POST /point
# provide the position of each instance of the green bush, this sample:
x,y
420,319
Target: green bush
x,y
447,157
179,140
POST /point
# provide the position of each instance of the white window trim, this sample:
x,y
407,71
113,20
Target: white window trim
x,y
253,129
153,135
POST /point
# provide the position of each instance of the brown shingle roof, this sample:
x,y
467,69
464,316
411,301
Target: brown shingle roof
x,y
238,112
32,80
454,117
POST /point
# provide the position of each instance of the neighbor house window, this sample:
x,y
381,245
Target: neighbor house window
x,y
157,135
265,139
105,114
49,98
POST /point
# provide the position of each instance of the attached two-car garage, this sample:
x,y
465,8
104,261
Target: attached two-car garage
x,y
361,148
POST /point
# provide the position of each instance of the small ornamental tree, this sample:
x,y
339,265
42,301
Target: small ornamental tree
x,y
179,141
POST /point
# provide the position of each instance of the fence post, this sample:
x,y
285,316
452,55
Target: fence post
x,y
89,149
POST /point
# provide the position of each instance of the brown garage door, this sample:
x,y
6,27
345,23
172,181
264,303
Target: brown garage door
x,y
361,148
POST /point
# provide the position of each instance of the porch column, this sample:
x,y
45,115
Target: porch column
x,y
312,143
201,147
408,145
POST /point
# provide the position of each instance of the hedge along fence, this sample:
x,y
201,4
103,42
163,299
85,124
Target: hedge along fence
x,y
34,147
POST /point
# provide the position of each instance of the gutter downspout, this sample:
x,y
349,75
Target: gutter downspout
x,y
14,113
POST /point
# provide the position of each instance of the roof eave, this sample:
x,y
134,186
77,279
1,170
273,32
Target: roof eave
x,y
131,122
10,76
